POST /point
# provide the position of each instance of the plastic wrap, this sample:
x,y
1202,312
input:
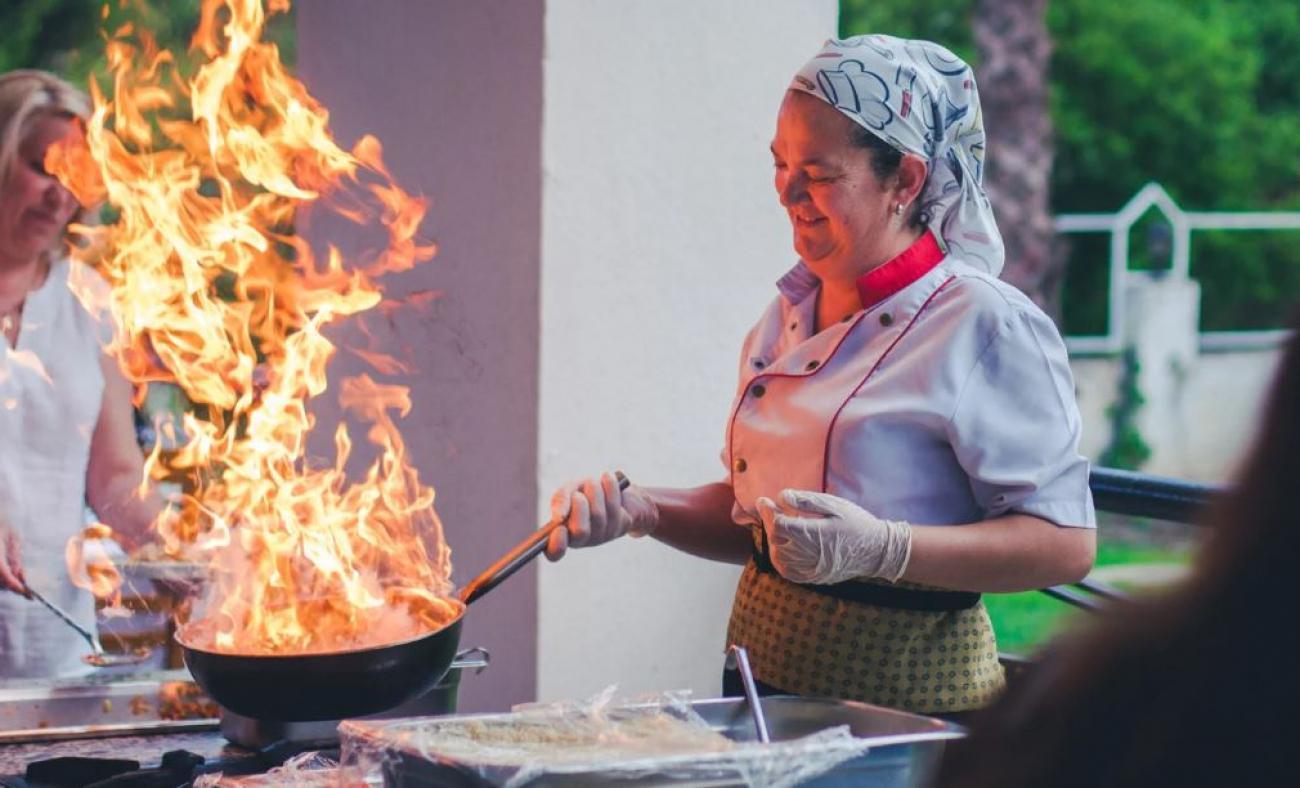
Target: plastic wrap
x,y
659,740
305,770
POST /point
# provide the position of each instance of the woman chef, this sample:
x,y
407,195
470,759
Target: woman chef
x,y
904,434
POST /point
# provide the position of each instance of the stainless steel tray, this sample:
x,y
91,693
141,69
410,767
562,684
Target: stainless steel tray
x,y
904,748
99,705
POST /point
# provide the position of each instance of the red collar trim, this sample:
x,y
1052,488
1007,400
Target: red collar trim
x,y
893,275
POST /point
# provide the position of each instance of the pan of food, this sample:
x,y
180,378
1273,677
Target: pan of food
x,y
339,684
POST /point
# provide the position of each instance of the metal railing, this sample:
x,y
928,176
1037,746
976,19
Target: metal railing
x,y
1137,495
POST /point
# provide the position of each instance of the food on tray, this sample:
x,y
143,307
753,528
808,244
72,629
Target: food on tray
x,y
571,738
183,700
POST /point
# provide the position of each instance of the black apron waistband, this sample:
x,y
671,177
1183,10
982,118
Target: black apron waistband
x,y
879,595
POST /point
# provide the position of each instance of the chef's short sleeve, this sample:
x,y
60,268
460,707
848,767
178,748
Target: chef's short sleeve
x,y
1015,428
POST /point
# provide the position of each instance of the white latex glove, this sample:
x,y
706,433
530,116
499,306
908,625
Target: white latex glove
x,y
595,511
823,539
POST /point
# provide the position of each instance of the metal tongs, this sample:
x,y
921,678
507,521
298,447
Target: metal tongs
x,y
97,657
738,659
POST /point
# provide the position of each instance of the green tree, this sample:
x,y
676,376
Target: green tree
x,y
1202,96
946,22
1152,90
1015,49
66,36
49,35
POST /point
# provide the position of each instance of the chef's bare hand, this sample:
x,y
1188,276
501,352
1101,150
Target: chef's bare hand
x,y
11,561
595,511
818,538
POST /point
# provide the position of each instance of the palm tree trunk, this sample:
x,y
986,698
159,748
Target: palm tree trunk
x,y
1015,50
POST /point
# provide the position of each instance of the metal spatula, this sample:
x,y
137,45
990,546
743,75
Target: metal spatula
x,y
97,656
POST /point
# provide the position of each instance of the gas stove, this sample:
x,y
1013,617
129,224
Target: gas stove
x,y
157,760
158,730
149,729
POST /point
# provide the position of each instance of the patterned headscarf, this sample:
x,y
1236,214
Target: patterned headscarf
x,y
920,98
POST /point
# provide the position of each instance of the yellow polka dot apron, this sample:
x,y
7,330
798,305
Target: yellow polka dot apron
x,y
806,642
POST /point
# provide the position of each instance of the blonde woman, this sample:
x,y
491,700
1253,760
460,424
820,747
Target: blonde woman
x,y
66,431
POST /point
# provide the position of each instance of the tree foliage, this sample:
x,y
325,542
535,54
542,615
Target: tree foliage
x,y
1201,96
1147,91
66,36
1127,450
947,22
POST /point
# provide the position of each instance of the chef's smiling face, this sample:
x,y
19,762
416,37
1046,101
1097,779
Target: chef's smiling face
x,y
838,208
34,206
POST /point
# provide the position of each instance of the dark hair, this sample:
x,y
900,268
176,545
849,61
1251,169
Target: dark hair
x,y
885,160
1193,687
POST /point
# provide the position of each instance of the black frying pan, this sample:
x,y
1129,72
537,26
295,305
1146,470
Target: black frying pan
x,y
339,684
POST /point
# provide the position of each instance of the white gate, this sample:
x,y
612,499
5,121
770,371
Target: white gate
x,y
1182,223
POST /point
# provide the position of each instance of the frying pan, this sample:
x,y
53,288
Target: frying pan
x,y
339,684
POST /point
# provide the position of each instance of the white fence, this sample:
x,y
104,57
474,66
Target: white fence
x,y
1200,391
1182,223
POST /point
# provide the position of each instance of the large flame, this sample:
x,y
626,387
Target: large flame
x,y
213,291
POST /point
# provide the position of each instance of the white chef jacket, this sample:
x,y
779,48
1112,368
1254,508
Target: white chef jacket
x,y
946,400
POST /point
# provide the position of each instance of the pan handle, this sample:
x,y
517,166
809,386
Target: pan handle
x,y
518,557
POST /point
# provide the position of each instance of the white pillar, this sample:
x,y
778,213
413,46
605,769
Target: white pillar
x,y
602,198
453,91
662,240
1161,323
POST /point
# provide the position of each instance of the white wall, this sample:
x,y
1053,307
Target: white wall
x,y
661,240
462,129
1199,409
1219,402
1226,391
1096,385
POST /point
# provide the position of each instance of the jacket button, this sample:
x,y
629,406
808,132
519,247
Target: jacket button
x,y
814,364
740,465
886,319
758,389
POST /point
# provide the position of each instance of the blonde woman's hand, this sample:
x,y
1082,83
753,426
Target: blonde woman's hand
x,y
11,561
595,511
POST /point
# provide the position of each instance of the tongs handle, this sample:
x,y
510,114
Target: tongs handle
x,y
740,657
519,556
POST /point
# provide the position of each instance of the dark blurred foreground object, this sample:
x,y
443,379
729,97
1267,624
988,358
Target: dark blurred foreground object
x,y
76,771
1194,687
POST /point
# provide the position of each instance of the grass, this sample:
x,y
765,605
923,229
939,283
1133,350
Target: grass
x,y
1025,621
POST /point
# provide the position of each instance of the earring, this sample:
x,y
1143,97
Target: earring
x,y
898,209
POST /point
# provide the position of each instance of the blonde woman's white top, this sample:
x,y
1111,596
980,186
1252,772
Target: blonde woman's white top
x,y
51,389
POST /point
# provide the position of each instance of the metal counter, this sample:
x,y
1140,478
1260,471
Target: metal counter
x,y
103,705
